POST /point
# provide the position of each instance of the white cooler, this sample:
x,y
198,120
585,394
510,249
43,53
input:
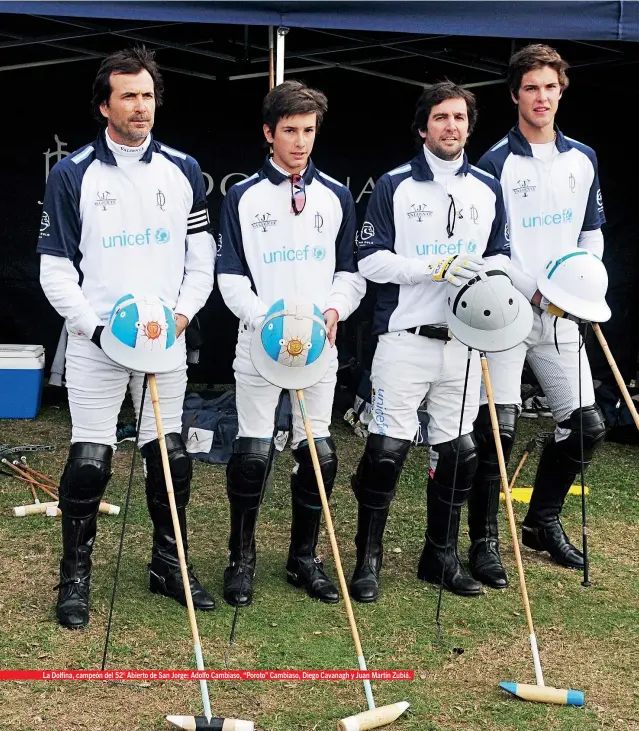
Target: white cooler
x,y
21,373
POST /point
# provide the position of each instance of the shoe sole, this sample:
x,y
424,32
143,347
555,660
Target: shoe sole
x,y
540,549
157,590
362,600
301,585
238,604
438,583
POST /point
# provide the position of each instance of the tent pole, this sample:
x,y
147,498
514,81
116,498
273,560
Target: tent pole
x,y
279,68
271,59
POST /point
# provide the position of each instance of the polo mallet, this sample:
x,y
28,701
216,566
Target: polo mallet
x,y
374,717
584,529
206,722
52,509
616,373
452,494
539,692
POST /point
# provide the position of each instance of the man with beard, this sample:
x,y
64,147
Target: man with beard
x,y
428,222
121,214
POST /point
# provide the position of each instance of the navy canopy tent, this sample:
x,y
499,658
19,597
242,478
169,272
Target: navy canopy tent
x,y
604,21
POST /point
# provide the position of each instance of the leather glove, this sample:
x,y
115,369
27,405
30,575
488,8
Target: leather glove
x,y
547,306
456,269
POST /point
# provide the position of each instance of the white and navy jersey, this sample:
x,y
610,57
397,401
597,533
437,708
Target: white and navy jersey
x,y
267,252
126,229
549,204
411,221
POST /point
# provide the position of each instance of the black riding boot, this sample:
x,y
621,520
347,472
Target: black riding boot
x,y
440,558
78,535
82,486
238,575
165,576
484,559
364,586
542,530
303,568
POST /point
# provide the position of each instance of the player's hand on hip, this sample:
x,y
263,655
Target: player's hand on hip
x,y
547,306
331,318
456,269
181,322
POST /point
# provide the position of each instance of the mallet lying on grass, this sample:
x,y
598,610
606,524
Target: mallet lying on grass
x,y
374,717
207,722
539,692
52,508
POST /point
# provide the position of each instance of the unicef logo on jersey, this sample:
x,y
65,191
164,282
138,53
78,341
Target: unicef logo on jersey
x,y
447,249
319,253
162,236
286,255
126,239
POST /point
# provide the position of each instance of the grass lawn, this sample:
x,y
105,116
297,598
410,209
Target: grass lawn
x,y
588,637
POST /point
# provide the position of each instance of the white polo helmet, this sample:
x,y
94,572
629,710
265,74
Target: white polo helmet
x,y
577,282
289,349
488,313
140,335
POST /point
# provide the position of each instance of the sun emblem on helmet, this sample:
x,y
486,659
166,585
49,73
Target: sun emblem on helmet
x,y
293,348
151,330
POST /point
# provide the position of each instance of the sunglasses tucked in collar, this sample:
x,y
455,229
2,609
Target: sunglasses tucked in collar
x,y
298,193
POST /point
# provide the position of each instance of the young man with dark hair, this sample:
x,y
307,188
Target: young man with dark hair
x,y
551,192
287,231
120,214
428,222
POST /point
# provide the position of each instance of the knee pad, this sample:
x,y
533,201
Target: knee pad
x,y
483,431
85,478
594,431
181,467
445,470
375,482
303,480
245,472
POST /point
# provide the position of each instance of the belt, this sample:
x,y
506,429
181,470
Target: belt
x,y
436,332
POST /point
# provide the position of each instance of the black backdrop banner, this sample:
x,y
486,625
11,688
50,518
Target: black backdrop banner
x,y
365,133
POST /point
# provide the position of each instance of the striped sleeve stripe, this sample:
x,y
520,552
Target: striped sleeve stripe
x,y
198,221
199,216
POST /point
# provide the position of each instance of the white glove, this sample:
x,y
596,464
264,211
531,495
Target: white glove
x,y
547,306
456,269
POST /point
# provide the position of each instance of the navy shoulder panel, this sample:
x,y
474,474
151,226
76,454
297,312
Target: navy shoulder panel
x,y
493,160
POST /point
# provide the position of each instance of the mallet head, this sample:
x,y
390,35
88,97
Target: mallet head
x,y
201,723
544,694
373,719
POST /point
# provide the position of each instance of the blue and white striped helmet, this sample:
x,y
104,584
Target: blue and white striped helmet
x,y
140,335
289,348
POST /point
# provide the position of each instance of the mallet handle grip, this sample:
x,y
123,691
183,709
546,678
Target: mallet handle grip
x,y
616,373
511,515
331,534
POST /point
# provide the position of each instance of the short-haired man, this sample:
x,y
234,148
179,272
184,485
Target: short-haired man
x,y
428,222
122,214
552,196
289,230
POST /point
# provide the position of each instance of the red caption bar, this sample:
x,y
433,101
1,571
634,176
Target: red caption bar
x,y
206,674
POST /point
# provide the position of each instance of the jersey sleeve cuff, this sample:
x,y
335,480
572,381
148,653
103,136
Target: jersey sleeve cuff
x,y
187,308
86,324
